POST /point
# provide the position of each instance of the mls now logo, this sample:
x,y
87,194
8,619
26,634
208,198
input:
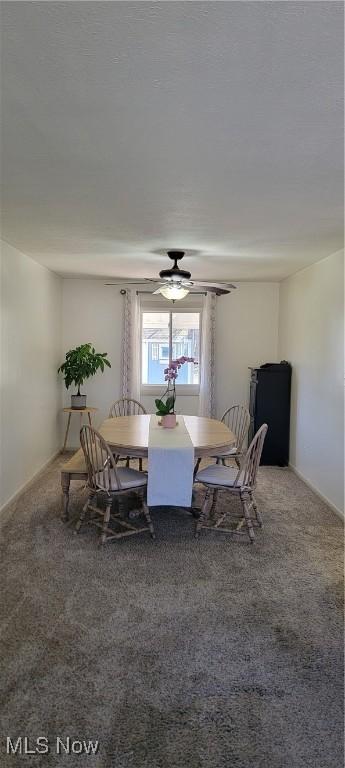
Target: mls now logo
x,y
41,746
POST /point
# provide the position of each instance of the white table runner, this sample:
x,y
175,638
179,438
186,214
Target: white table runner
x,y
170,465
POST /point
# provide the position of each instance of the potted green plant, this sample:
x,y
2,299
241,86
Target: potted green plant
x,y
80,364
166,409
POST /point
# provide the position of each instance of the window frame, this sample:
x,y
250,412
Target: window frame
x,y
182,389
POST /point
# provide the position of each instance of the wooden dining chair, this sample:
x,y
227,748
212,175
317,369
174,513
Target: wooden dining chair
x,y
106,480
237,419
238,481
127,406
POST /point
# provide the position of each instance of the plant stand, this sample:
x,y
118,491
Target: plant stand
x,y
81,411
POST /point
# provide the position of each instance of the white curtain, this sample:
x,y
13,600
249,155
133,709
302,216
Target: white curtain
x,y
207,377
131,357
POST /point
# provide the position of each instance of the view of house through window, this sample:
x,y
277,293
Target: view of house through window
x,y
166,336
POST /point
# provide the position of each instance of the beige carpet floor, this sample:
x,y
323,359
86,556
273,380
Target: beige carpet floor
x,y
175,653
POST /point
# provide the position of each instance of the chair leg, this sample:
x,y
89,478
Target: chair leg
x,y
197,465
214,504
140,465
256,511
84,512
106,519
203,514
247,517
148,519
127,461
65,485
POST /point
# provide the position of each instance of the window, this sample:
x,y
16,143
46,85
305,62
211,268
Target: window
x,y
164,337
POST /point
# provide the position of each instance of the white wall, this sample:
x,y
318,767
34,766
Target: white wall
x,y
246,334
92,312
311,337
30,311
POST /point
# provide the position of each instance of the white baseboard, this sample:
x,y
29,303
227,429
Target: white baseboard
x,y
318,493
29,482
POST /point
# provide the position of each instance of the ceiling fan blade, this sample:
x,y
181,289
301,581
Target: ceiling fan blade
x,y
209,289
206,284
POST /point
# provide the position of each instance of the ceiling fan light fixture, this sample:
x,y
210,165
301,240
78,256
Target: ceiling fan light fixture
x,y
173,292
176,283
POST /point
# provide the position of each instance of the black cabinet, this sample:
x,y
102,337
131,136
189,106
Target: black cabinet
x,y
269,402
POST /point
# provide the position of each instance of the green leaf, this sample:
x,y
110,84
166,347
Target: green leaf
x,y
170,403
162,411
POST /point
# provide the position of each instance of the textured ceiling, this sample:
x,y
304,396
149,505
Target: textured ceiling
x,y
130,128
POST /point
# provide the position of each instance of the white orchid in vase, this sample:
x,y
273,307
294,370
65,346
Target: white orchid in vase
x,y
166,409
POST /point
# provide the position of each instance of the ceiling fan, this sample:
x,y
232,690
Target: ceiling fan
x,y
176,283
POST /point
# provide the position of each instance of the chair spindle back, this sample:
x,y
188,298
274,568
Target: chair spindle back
x,y
252,459
126,406
237,419
99,460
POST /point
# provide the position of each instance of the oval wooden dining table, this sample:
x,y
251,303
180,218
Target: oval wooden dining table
x,y
129,435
